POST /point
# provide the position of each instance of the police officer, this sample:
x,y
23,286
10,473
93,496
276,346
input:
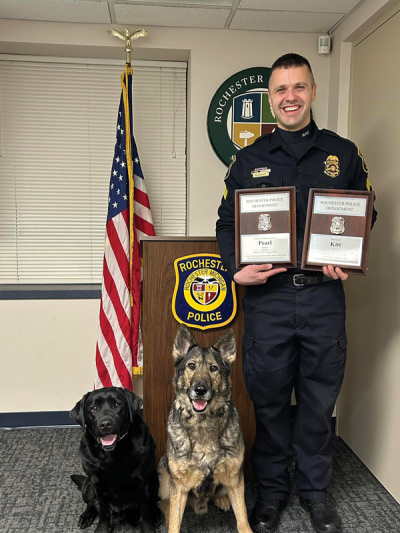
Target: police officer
x,y
294,321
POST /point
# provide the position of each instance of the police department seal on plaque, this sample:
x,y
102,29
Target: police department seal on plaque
x,y
337,226
264,222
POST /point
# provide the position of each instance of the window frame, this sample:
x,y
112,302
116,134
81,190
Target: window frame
x,y
23,291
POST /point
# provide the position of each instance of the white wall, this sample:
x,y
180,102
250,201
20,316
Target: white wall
x,y
363,105
363,18
370,400
47,350
50,345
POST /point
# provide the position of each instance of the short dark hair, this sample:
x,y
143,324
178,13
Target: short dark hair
x,y
292,60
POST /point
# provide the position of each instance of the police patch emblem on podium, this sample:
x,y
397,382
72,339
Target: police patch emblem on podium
x,y
204,295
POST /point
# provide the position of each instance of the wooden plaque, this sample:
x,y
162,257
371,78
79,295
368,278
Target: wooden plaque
x,y
265,226
338,228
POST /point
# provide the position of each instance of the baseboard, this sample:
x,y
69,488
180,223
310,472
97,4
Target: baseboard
x,y
36,419
62,419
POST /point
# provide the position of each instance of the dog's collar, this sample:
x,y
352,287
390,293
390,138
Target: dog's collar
x,y
124,435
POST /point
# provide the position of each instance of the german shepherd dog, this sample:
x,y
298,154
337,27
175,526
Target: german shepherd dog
x,y
205,448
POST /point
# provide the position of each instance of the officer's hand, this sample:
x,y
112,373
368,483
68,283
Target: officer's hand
x,y
256,274
334,273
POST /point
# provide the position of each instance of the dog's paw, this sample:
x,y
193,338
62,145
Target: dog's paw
x,y
223,502
87,518
200,505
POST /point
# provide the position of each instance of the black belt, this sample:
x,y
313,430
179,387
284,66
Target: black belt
x,y
299,280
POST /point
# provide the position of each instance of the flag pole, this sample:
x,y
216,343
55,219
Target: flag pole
x,y
128,37
126,101
119,343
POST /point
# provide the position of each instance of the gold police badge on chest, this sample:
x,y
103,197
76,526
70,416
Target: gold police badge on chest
x,y
332,166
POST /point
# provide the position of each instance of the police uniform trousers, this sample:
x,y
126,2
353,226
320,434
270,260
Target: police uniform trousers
x,y
294,338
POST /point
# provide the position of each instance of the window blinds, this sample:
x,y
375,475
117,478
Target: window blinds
x,y
57,123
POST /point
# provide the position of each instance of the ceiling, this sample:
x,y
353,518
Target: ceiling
x,y
310,16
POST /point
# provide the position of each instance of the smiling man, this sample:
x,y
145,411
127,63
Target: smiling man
x,y
290,92
294,331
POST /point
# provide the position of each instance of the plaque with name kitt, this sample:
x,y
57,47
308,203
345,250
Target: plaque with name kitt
x,y
338,228
265,226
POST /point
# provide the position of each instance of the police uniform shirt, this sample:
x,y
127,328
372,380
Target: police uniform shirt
x,y
324,160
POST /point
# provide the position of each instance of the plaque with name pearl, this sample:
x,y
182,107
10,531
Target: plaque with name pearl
x,y
265,226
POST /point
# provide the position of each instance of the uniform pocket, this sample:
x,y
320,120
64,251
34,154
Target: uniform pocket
x,y
247,363
263,182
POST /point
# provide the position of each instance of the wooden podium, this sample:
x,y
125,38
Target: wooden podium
x,y
159,329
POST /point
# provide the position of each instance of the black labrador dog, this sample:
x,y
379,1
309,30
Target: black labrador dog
x,y
118,457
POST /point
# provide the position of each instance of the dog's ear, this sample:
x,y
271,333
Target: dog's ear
x,y
227,347
78,412
184,340
135,403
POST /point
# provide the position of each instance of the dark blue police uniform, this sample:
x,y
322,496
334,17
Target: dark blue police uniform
x,y
294,333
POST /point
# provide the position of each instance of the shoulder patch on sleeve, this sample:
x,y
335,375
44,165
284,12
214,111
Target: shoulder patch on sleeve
x,y
230,166
364,164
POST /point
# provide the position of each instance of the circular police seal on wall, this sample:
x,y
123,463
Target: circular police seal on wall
x,y
239,112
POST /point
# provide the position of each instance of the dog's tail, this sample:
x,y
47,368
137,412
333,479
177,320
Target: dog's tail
x,y
78,480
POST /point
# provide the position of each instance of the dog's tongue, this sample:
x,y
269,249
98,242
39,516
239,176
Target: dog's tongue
x,y
199,405
108,440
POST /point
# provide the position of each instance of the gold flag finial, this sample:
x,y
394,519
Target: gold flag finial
x,y
128,37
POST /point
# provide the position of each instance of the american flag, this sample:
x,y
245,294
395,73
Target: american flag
x,y
119,352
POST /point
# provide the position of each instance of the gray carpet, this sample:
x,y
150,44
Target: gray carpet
x,y
36,494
